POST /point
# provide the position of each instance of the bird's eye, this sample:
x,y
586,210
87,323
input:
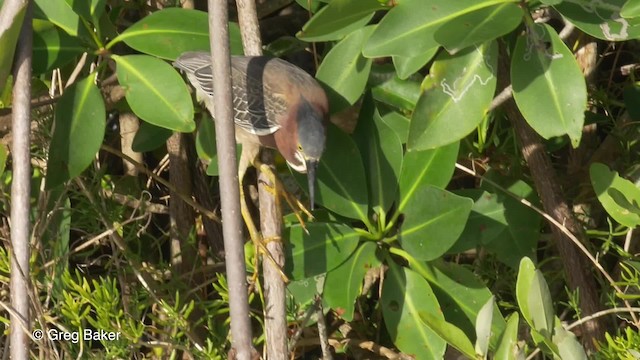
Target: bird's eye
x,y
299,147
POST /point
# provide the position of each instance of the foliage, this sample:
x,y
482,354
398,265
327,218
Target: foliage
x,y
422,78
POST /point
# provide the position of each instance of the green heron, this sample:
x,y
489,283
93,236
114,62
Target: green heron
x,y
276,105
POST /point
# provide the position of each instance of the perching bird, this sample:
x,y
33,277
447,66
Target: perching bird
x,y
276,105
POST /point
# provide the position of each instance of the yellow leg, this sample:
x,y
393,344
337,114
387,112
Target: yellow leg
x,y
279,190
256,238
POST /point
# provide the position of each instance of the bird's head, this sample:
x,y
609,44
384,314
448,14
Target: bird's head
x,y
311,137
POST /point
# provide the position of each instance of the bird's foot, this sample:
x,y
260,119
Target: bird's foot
x,y
257,239
278,189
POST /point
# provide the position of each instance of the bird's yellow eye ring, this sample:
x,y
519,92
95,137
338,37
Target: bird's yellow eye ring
x,y
299,147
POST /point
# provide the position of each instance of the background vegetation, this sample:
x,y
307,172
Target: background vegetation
x,y
478,195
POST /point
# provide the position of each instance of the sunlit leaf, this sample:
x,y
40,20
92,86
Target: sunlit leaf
x,y
456,97
155,92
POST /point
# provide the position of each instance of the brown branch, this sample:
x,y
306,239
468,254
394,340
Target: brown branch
x,y
548,187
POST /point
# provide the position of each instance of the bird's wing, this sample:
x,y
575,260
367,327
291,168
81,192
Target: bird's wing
x,y
256,105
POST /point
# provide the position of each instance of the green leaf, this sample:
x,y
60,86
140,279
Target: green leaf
x,y
311,5
170,32
149,137
408,65
206,138
381,152
408,29
399,123
90,10
479,26
422,168
53,48
499,223
433,221
338,19
345,71
155,92
460,294
340,177
450,333
483,328
4,152
602,19
8,40
508,348
406,297
619,197
325,247
457,95
544,71
541,305
59,13
80,119
403,94
304,291
630,9
343,284
569,347
526,275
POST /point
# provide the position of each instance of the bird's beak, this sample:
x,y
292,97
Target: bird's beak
x,y
311,177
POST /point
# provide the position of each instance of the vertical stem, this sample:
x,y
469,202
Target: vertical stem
x,y
229,190
20,192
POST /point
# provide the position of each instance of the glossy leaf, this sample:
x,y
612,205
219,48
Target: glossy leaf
x,y
325,247
601,19
508,348
423,168
338,19
8,40
343,284
149,137
541,305
399,123
457,95
407,29
476,27
80,120
630,9
405,297
569,347
461,296
408,65
170,32
381,152
403,94
345,71
433,221
340,177
544,71
155,92
619,197
483,327
53,48
90,10
526,274
206,139
59,13
450,333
